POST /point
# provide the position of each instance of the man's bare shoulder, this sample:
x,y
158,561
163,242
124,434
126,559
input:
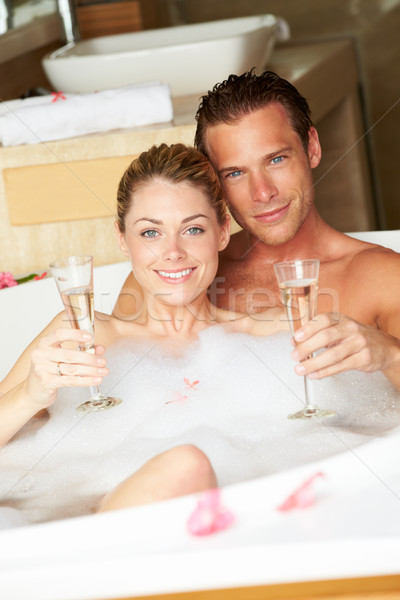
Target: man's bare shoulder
x,y
365,255
348,252
372,279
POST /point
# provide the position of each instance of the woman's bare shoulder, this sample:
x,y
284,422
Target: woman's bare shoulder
x,y
109,329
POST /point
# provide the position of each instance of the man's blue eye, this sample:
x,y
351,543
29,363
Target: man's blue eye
x,y
150,233
235,173
277,160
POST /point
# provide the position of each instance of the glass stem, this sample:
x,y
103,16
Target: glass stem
x,y
95,391
308,390
308,393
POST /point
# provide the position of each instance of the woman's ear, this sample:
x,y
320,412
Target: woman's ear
x,y
225,233
121,239
314,148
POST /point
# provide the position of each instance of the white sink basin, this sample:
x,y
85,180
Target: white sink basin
x,y
190,58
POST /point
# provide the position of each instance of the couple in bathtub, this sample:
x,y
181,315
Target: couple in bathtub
x,y
172,223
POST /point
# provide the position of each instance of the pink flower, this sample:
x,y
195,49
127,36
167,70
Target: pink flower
x,y
7,280
302,497
210,515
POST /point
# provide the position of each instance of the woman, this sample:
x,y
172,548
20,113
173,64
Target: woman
x,y
200,396
172,222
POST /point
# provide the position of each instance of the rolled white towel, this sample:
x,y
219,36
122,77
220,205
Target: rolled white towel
x,y
59,116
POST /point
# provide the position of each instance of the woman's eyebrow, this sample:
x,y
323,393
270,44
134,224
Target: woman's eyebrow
x,y
155,221
194,217
158,222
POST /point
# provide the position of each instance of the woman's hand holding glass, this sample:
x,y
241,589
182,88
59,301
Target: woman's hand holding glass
x,y
54,366
74,278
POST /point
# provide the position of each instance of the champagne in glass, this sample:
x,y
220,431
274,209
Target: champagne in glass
x,y
298,284
74,279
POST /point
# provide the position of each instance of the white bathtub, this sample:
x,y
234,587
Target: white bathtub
x,y
353,531
190,58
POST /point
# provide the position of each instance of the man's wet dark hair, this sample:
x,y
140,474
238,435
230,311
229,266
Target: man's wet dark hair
x,y
240,95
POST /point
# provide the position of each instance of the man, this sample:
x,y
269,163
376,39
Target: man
x,y
258,134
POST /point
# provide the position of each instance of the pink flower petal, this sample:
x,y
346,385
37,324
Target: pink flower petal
x,y
178,398
189,384
57,96
210,516
302,497
210,499
42,276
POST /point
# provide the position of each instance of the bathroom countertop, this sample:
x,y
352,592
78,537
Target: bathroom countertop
x,y
41,209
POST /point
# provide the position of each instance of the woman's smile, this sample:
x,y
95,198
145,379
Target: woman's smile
x,y
175,277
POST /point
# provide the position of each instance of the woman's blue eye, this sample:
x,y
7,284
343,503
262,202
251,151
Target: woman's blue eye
x,y
150,233
277,160
195,230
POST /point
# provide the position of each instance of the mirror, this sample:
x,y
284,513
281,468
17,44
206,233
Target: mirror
x,y
14,13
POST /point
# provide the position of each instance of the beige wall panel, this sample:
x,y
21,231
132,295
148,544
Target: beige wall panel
x,y
63,192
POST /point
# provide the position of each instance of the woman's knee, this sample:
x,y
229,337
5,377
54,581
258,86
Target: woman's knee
x,y
194,460
176,472
190,467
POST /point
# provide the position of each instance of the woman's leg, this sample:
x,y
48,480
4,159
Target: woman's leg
x,y
182,470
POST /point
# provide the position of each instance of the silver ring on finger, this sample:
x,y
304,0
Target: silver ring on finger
x,y
59,370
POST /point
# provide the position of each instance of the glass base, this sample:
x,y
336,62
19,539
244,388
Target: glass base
x,y
312,411
98,404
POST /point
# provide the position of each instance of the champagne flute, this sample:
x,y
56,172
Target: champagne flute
x,y
298,284
74,279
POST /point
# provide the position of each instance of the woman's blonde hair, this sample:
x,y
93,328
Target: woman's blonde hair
x,y
176,163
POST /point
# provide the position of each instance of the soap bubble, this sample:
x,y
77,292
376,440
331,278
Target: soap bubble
x,y
228,394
